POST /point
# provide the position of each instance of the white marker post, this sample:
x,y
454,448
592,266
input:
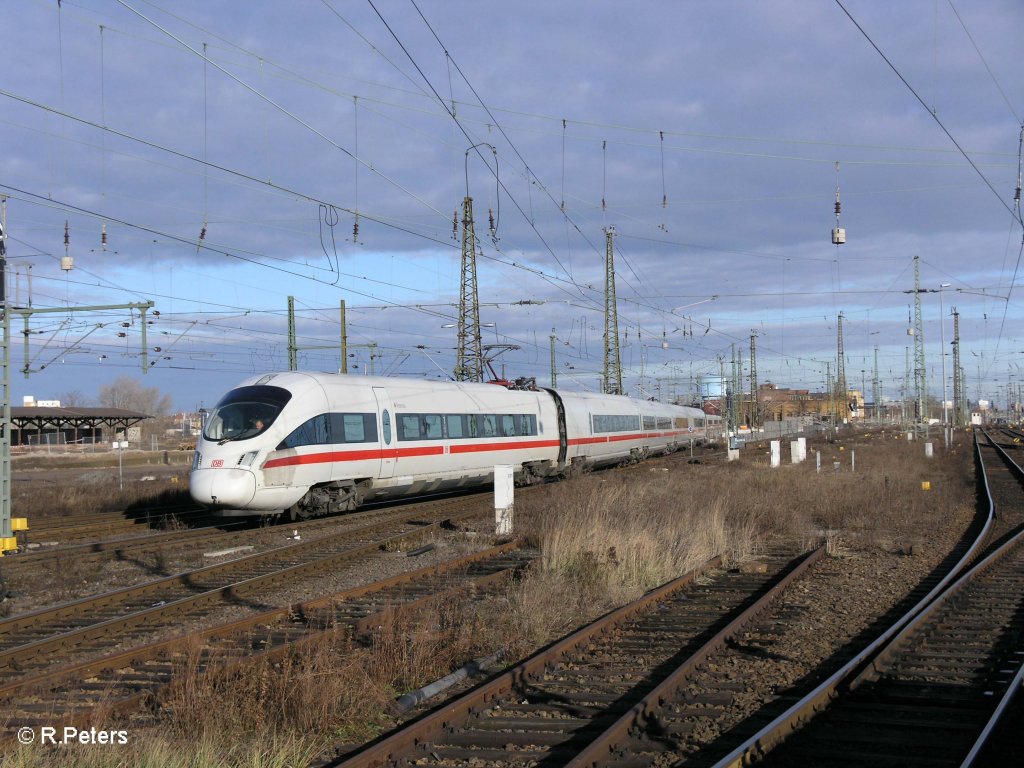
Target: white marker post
x,y
119,446
803,447
794,452
776,454
504,499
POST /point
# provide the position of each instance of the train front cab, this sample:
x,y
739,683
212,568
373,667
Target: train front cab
x,y
225,469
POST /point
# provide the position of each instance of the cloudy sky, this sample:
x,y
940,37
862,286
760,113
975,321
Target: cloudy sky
x,y
229,149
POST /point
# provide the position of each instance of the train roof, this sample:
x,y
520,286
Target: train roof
x,y
290,378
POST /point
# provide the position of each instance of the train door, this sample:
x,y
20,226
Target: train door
x,y
388,436
563,435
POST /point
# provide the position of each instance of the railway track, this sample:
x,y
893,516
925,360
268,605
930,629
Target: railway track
x,y
97,524
219,533
581,694
125,681
933,687
30,642
225,532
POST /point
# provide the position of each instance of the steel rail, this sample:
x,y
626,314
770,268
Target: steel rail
x,y
22,653
269,634
644,710
437,725
773,734
434,724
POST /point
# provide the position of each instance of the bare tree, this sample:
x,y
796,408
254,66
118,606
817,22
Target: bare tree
x,y
126,392
74,399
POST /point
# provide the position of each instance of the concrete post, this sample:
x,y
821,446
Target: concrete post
x,y
803,448
794,452
776,453
504,499
928,450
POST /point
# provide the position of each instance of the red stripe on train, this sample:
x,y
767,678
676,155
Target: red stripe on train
x,y
477,447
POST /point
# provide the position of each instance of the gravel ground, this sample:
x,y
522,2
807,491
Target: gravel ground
x,y
789,650
805,638
41,585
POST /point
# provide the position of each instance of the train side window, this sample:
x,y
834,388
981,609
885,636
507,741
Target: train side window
x,y
385,420
624,423
489,425
473,422
508,426
527,424
650,422
664,422
456,425
409,426
314,431
369,427
354,427
431,426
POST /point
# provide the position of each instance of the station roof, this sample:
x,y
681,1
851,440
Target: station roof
x,y
36,417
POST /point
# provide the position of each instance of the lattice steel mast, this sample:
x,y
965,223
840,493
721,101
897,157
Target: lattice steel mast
x,y
876,394
958,375
840,393
612,356
469,364
554,369
920,384
755,414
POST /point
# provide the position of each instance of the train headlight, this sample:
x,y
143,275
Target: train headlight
x,y
197,459
247,459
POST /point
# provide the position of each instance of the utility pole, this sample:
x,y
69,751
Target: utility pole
x,y
343,368
840,393
828,392
863,396
734,411
293,351
946,431
920,383
755,412
876,395
343,346
469,364
554,369
8,541
906,385
612,355
958,377
7,538
723,400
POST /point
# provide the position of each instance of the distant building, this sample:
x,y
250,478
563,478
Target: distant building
x,y
777,404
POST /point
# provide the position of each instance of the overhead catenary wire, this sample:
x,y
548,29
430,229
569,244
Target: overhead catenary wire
x,y
930,111
283,110
644,287
440,101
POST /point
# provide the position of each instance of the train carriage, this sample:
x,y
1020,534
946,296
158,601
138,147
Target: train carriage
x,y
315,443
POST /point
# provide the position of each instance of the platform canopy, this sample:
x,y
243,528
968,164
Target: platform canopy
x,y
70,424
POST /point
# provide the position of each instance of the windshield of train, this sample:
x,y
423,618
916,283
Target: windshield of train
x,y
245,412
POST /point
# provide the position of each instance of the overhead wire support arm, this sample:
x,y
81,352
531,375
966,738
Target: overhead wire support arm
x,y
27,312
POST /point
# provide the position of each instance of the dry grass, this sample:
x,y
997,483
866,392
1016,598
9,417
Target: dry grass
x,y
98,493
604,539
156,751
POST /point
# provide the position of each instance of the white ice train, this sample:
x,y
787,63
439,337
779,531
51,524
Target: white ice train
x,y
316,443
